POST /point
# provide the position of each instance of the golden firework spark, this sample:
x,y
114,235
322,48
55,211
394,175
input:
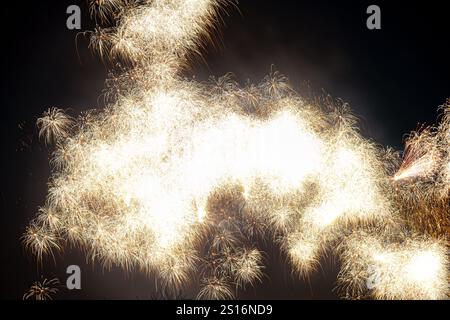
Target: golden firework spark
x,y
248,267
103,9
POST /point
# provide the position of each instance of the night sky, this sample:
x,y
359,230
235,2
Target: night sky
x,y
394,79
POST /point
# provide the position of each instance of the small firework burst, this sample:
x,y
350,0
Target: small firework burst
x,y
248,267
105,9
276,85
100,41
223,239
48,218
40,240
303,251
54,125
176,272
42,290
215,289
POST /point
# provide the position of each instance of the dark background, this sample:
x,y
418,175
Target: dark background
x,y
394,79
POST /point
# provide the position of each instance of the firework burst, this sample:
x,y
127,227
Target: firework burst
x,y
422,182
175,176
215,289
42,290
54,125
